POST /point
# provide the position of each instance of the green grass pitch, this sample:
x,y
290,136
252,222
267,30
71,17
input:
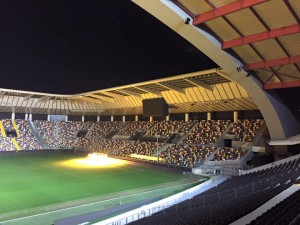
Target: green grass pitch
x,y
29,181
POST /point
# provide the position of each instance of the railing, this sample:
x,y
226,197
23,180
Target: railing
x,y
259,133
220,141
155,207
36,134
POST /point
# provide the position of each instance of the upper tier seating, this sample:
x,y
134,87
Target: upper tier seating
x,y
245,130
228,154
46,128
7,124
60,135
207,132
186,127
68,129
6,144
103,128
131,127
141,148
165,128
185,155
26,141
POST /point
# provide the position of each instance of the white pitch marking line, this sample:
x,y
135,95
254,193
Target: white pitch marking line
x,y
92,203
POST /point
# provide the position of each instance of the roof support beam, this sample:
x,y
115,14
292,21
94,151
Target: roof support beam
x,y
87,99
44,98
273,62
2,93
292,10
172,87
199,83
113,95
102,98
26,98
130,93
116,96
292,29
226,9
278,85
157,93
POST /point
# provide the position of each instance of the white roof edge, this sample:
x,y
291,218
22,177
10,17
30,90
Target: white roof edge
x,y
32,92
197,73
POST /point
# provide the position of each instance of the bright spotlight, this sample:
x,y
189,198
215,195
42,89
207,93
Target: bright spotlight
x,y
94,160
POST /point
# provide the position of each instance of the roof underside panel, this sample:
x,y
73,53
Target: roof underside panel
x,y
196,7
291,43
295,4
275,14
222,29
264,35
219,3
288,72
269,49
246,16
247,53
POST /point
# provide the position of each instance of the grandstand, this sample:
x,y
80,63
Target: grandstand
x,y
224,153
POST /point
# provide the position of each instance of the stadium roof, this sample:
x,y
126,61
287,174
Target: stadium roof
x,y
201,91
263,34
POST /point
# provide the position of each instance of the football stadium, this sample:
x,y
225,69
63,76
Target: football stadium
x,y
216,146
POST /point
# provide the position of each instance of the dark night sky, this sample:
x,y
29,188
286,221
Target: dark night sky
x,y
68,47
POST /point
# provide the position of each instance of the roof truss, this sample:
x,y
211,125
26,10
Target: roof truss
x,y
273,62
107,99
172,87
157,93
199,83
278,85
130,93
87,99
282,31
226,9
44,98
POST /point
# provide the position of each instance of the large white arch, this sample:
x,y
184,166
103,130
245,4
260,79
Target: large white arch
x,y
280,121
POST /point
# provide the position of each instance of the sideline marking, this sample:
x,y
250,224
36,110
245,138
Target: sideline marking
x,y
92,203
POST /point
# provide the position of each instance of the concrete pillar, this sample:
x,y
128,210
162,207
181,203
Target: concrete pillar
x,y
167,118
66,118
48,117
209,116
30,116
151,119
136,118
123,119
82,118
26,116
186,117
98,118
13,116
235,116
112,118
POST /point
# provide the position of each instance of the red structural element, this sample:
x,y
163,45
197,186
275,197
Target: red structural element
x,y
277,85
291,29
273,62
226,9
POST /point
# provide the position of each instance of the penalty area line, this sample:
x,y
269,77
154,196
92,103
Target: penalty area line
x,y
92,203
